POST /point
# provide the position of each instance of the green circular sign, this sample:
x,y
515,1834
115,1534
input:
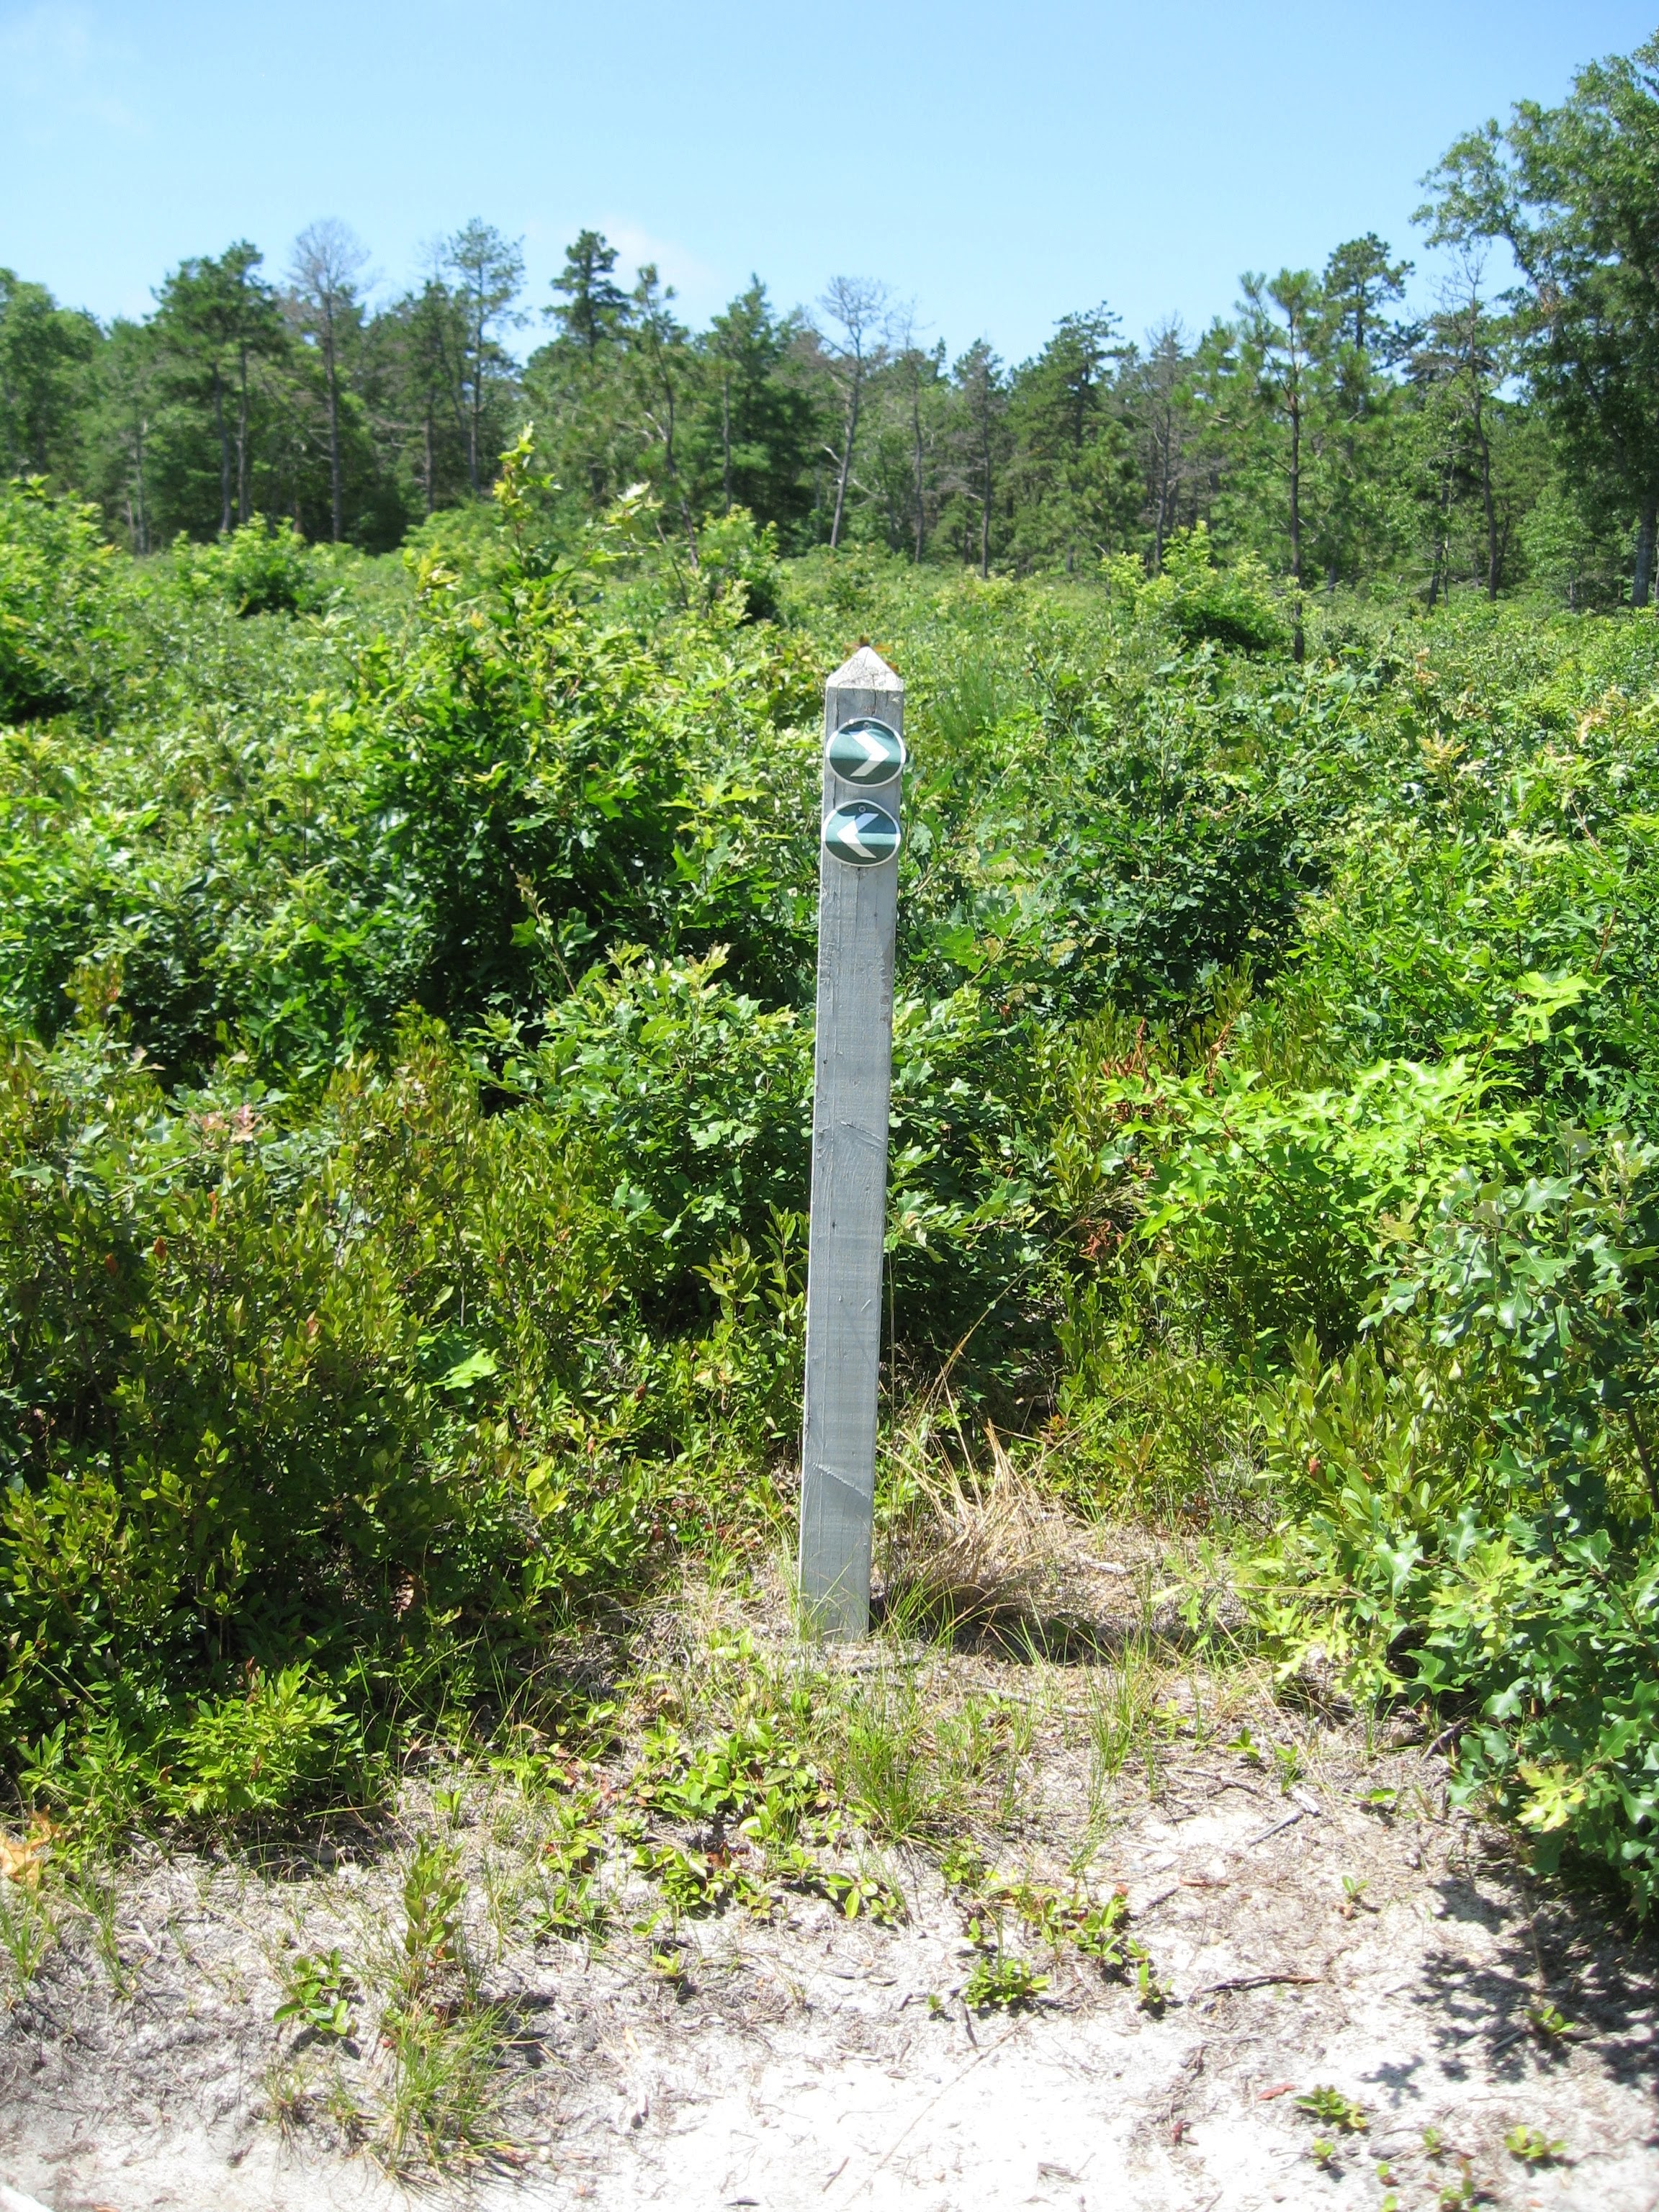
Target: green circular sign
x,y
867,752
862,833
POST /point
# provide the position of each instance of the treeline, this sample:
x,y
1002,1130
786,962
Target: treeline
x,y
1494,439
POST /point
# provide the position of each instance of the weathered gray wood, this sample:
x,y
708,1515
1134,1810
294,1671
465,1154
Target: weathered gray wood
x,y
852,1074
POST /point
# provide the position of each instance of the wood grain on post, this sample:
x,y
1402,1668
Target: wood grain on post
x,y
852,1074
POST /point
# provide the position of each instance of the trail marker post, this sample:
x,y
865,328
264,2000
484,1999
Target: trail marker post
x,y
853,1060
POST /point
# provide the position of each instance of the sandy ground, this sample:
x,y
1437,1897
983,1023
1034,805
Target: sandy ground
x,y
817,2062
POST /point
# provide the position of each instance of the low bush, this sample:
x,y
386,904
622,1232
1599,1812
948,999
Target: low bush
x,y
59,642
1468,1503
327,1391
407,976
260,568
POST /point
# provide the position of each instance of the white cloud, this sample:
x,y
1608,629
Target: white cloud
x,y
58,73
697,284
677,265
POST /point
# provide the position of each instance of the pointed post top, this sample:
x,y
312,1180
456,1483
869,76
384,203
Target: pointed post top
x,y
866,671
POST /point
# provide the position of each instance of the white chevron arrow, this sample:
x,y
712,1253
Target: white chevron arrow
x,y
850,837
875,753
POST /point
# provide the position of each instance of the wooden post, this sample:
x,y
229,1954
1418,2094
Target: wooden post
x,y
857,898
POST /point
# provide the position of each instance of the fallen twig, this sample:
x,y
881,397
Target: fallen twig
x,y
1253,1982
1289,1821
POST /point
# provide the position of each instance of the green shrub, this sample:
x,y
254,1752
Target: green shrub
x,y
695,1100
738,561
1267,1204
1235,606
56,641
276,1392
1468,1506
260,568
1275,1073
281,1745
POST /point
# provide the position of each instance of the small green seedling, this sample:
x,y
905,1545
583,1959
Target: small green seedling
x,y
1247,1747
433,1892
862,1893
569,1908
1288,1759
964,1865
1544,2020
1532,2146
318,1993
1380,1800
446,1804
1151,1994
1002,1982
1322,2151
25,1931
1457,2193
1353,1896
1434,2142
1098,1931
1336,2110
577,1844
97,1899
700,1882
939,2007
672,1970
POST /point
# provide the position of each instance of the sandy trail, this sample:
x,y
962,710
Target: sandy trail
x,y
817,2062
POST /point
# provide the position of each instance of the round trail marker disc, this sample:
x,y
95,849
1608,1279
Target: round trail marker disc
x,y
861,835
867,752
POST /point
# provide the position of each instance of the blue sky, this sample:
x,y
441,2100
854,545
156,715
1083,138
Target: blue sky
x,y
996,165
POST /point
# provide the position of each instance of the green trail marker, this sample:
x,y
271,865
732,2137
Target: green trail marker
x,y
852,1059
862,834
866,752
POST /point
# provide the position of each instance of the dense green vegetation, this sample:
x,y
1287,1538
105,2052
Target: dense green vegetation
x,y
406,962
407,1096
1348,425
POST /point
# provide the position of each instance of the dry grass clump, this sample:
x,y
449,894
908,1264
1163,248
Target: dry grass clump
x,y
982,1550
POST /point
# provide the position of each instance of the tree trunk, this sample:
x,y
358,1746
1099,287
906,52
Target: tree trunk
x,y
915,432
1442,566
1487,503
1165,464
985,503
1299,641
690,526
224,452
142,533
333,423
428,486
241,438
472,412
725,436
846,468
1641,591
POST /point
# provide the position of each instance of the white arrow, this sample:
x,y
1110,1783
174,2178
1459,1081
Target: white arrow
x,y
849,836
875,753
